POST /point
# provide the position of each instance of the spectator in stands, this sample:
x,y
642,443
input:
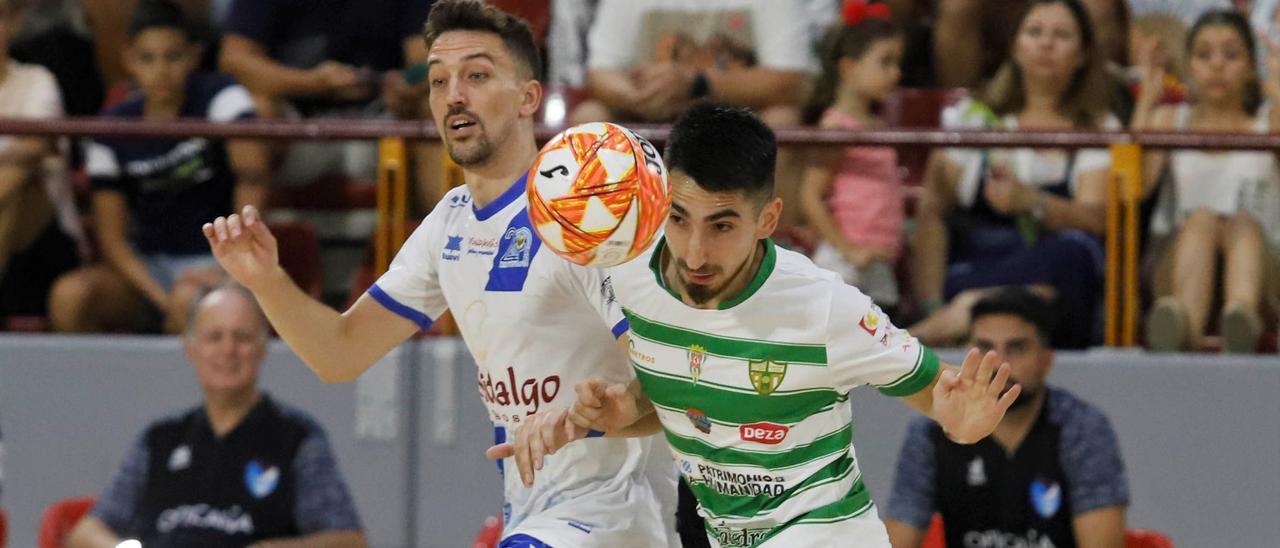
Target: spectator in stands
x,y
852,196
299,59
164,188
39,228
648,60
1022,216
1217,206
240,469
971,39
1050,475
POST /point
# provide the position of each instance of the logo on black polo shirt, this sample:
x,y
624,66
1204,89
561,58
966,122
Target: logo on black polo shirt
x,y
261,482
1046,498
180,458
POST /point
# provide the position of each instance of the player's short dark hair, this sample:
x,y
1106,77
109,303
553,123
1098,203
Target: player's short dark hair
x,y
159,14
724,148
1020,302
471,15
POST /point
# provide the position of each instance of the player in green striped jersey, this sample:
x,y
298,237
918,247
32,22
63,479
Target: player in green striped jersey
x,y
745,354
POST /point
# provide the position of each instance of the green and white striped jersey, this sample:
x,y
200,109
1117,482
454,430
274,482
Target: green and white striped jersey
x,y
754,396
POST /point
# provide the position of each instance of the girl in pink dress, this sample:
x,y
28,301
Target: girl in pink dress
x,y
852,196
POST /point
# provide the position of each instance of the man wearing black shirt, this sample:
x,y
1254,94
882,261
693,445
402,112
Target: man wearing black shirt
x,y
1049,476
242,469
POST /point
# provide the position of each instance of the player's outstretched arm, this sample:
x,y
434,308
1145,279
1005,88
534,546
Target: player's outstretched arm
x,y
338,347
969,401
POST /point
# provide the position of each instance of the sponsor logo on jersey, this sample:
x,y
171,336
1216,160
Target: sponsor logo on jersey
x,y
766,375
484,247
512,391
180,458
870,321
699,420
606,291
261,481
992,538
738,484
732,537
638,355
767,433
686,467
1046,498
232,521
452,248
457,200
697,355
977,472
519,241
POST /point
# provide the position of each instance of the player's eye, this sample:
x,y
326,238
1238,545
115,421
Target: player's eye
x,y
675,219
479,76
723,227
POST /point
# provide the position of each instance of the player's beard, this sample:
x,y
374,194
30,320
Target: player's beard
x,y
698,293
481,149
1025,397
479,153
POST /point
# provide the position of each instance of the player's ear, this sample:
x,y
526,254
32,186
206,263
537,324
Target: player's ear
x,y
770,214
530,98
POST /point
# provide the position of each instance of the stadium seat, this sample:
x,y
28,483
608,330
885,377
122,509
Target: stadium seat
x,y
1145,538
59,518
935,537
4,529
328,192
300,254
490,534
918,108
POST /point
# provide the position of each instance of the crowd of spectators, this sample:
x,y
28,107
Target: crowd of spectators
x,y
977,221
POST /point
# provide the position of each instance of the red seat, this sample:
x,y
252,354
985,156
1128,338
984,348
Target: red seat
x,y
4,529
59,518
299,250
918,108
329,192
490,534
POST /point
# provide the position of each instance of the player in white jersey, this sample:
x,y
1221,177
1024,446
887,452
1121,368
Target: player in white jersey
x,y
746,354
532,322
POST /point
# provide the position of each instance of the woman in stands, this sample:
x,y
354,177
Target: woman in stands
x,y
150,196
853,196
993,218
1219,214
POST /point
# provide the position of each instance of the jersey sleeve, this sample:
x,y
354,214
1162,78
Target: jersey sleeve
x,y
411,287
1091,461
323,502
596,286
119,501
864,347
103,167
912,500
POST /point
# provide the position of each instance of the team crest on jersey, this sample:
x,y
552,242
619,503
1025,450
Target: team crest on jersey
x,y
518,240
1046,498
697,356
699,420
261,481
766,375
870,321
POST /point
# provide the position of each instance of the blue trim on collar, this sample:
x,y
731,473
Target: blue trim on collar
x,y
621,327
516,189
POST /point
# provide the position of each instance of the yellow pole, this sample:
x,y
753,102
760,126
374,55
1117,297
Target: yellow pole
x,y
1122,244
392,207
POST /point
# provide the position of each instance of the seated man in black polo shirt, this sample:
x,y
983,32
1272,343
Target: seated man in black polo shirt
x,y
241,469
1050,474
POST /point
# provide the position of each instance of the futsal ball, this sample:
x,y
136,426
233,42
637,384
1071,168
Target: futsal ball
x,y
598,194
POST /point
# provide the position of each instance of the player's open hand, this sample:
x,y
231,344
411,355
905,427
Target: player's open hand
x,y
970,404
542,434
244,247
605,407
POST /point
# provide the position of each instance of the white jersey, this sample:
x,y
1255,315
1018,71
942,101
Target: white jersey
x,y
753,397
533,323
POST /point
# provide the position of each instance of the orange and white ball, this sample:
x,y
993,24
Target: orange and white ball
x,y
598,194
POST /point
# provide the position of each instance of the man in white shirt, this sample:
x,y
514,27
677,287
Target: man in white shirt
x,y
531,320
